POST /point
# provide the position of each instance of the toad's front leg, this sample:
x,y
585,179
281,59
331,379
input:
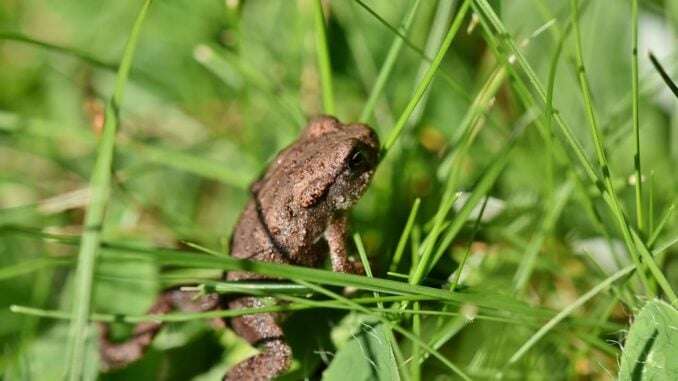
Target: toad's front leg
x,y
335,235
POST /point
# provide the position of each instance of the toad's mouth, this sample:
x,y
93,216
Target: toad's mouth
x,y
347,199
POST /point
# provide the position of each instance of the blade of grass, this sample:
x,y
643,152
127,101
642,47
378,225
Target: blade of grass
x,y
635,115
415,367
566,312
218,65
483,186
179,316
250,288
231,69
296,304
400,248
448,330
467,252
94,215
467,132
76,53
426,80
660,252
363,259
548,138
415,245
665,76
660,226
598,142
454,85
396,31
654,269
186,259
551,215
191,163
363,57
389,63
395,348
27,267
442,17
470,125
193,260
86,57
650,208
578,303
323,56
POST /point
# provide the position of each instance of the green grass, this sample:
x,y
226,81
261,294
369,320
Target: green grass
x,y
530,143
99,188
323,54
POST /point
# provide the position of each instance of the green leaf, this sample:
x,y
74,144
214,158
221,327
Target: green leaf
x,y
44,359
367,356
651,352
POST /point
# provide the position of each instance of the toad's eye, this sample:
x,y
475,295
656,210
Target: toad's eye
x,y
358,162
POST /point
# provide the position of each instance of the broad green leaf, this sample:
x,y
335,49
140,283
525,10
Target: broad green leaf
x,y
367,356
651,350
44,359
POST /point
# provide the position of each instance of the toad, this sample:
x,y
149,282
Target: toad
x,y
296,215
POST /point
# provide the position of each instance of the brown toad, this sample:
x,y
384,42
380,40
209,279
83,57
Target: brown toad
x,y
300,200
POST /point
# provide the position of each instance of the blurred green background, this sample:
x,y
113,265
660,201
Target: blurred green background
x,y
217,87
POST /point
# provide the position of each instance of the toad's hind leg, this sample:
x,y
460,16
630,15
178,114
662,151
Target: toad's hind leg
x,y
116,355
260,330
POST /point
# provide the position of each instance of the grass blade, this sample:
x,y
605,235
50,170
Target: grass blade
x,y
191,163
454,86
100,183
427,79
323,56
634,109
660,226
655,271
395,348
551,216
482,188
189,259
405,235
566,312
389,63
235,73
442,17
600,150
467,132
665,76
467,252
86,57
27,267
415,367
365,64
578,303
